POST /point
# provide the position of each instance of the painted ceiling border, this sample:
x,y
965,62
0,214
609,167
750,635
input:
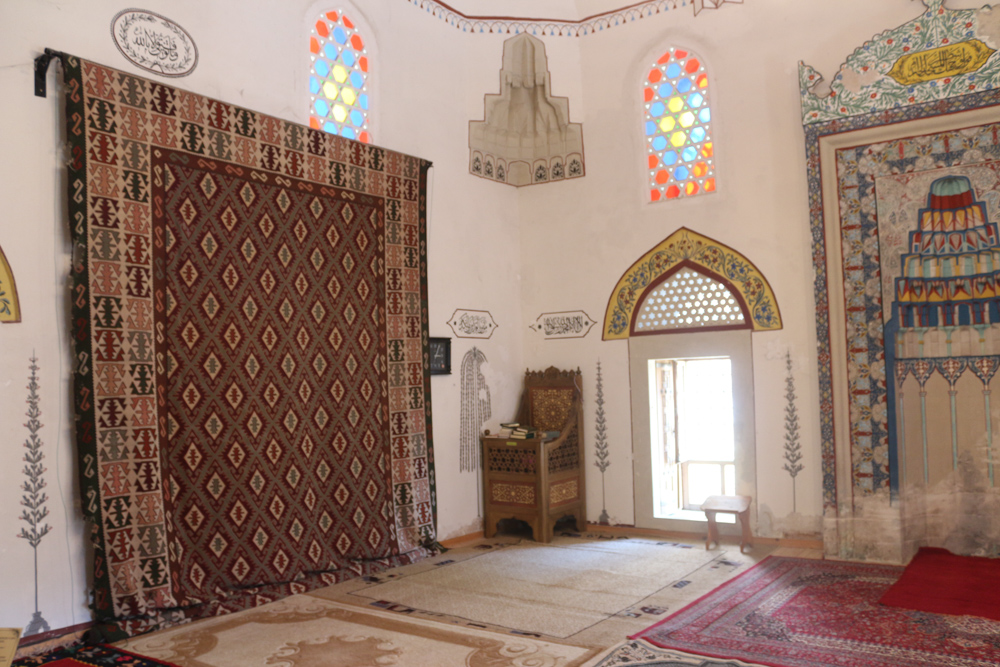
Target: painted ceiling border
x,y
509,25
685,246
941,54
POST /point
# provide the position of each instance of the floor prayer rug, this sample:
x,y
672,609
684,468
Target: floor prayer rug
x,y
579,590
305,631
789,612
638,653
250,322
90,656
938,581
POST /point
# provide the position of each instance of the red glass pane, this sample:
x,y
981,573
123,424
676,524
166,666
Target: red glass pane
x,y
314,122
363,63
710,185
662,176
673,192
653,161
332,16
322,29
680,55
702,80
700,169
692,66
655,75
313,45
347,22
365,138
664,59
691,188
357,43
654,195
648,94
707,150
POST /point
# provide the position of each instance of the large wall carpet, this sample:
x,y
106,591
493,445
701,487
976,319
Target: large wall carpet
x,y
250,321
789,612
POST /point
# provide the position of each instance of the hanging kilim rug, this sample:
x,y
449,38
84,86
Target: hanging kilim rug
x,y
790,612
90,656
250,324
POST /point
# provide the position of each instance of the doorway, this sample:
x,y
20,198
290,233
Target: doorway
x,y
692,423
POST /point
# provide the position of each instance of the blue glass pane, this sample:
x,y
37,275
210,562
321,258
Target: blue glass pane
x,y
666,90
657,109
683,85
695,100
673,71
330,51
357,80
698,134
322,68
659,143
348,57
357,118
322,108
681,173
313,85
349,133
363,101
689,153
650,128
669,158
340,35
705,115
331,127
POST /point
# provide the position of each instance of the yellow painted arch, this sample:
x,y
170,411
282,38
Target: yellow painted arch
x,y
10,307
738,273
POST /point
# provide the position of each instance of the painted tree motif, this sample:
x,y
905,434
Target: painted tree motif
x,y
601,443
793,448
34,497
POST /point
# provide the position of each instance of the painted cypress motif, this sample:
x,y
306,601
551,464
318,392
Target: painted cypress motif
x,y
475,408
34,497
793,448
601,444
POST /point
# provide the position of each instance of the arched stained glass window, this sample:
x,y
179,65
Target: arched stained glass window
x,y
678,127
689,300
338,83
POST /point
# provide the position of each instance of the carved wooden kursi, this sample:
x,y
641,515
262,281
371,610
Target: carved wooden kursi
x,y
538,481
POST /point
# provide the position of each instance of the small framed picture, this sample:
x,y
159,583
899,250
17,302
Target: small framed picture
x,y
440,353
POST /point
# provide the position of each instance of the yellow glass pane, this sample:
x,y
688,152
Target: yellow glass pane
x,y
340,74
330,90
687,119
348,95
339,113
675,104
667,123
677,139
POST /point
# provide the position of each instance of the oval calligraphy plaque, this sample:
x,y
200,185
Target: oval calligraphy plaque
x,y
154,43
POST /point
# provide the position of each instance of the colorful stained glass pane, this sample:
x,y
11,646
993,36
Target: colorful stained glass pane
x,y
339,67
677,127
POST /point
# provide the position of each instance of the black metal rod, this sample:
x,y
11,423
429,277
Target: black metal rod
x,y
42,68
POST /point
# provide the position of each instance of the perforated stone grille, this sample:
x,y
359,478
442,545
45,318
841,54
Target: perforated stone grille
x,y
689,300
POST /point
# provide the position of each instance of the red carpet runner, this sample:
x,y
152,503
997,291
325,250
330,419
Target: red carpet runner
x,y
938,581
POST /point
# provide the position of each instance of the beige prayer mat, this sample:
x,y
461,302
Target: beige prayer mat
x,y
578,590
305,631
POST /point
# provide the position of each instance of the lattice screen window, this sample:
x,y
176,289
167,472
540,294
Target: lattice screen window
x,y
678,127
689,300
338,82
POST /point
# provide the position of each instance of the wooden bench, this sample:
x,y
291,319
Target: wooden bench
x,y
738,505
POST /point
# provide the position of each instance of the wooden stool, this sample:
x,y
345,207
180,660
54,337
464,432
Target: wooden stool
x,y
739,505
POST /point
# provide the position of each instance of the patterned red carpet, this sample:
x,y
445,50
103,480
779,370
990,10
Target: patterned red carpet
x,y
90,656
788,612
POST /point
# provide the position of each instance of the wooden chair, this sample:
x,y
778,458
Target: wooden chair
x,y
536,480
